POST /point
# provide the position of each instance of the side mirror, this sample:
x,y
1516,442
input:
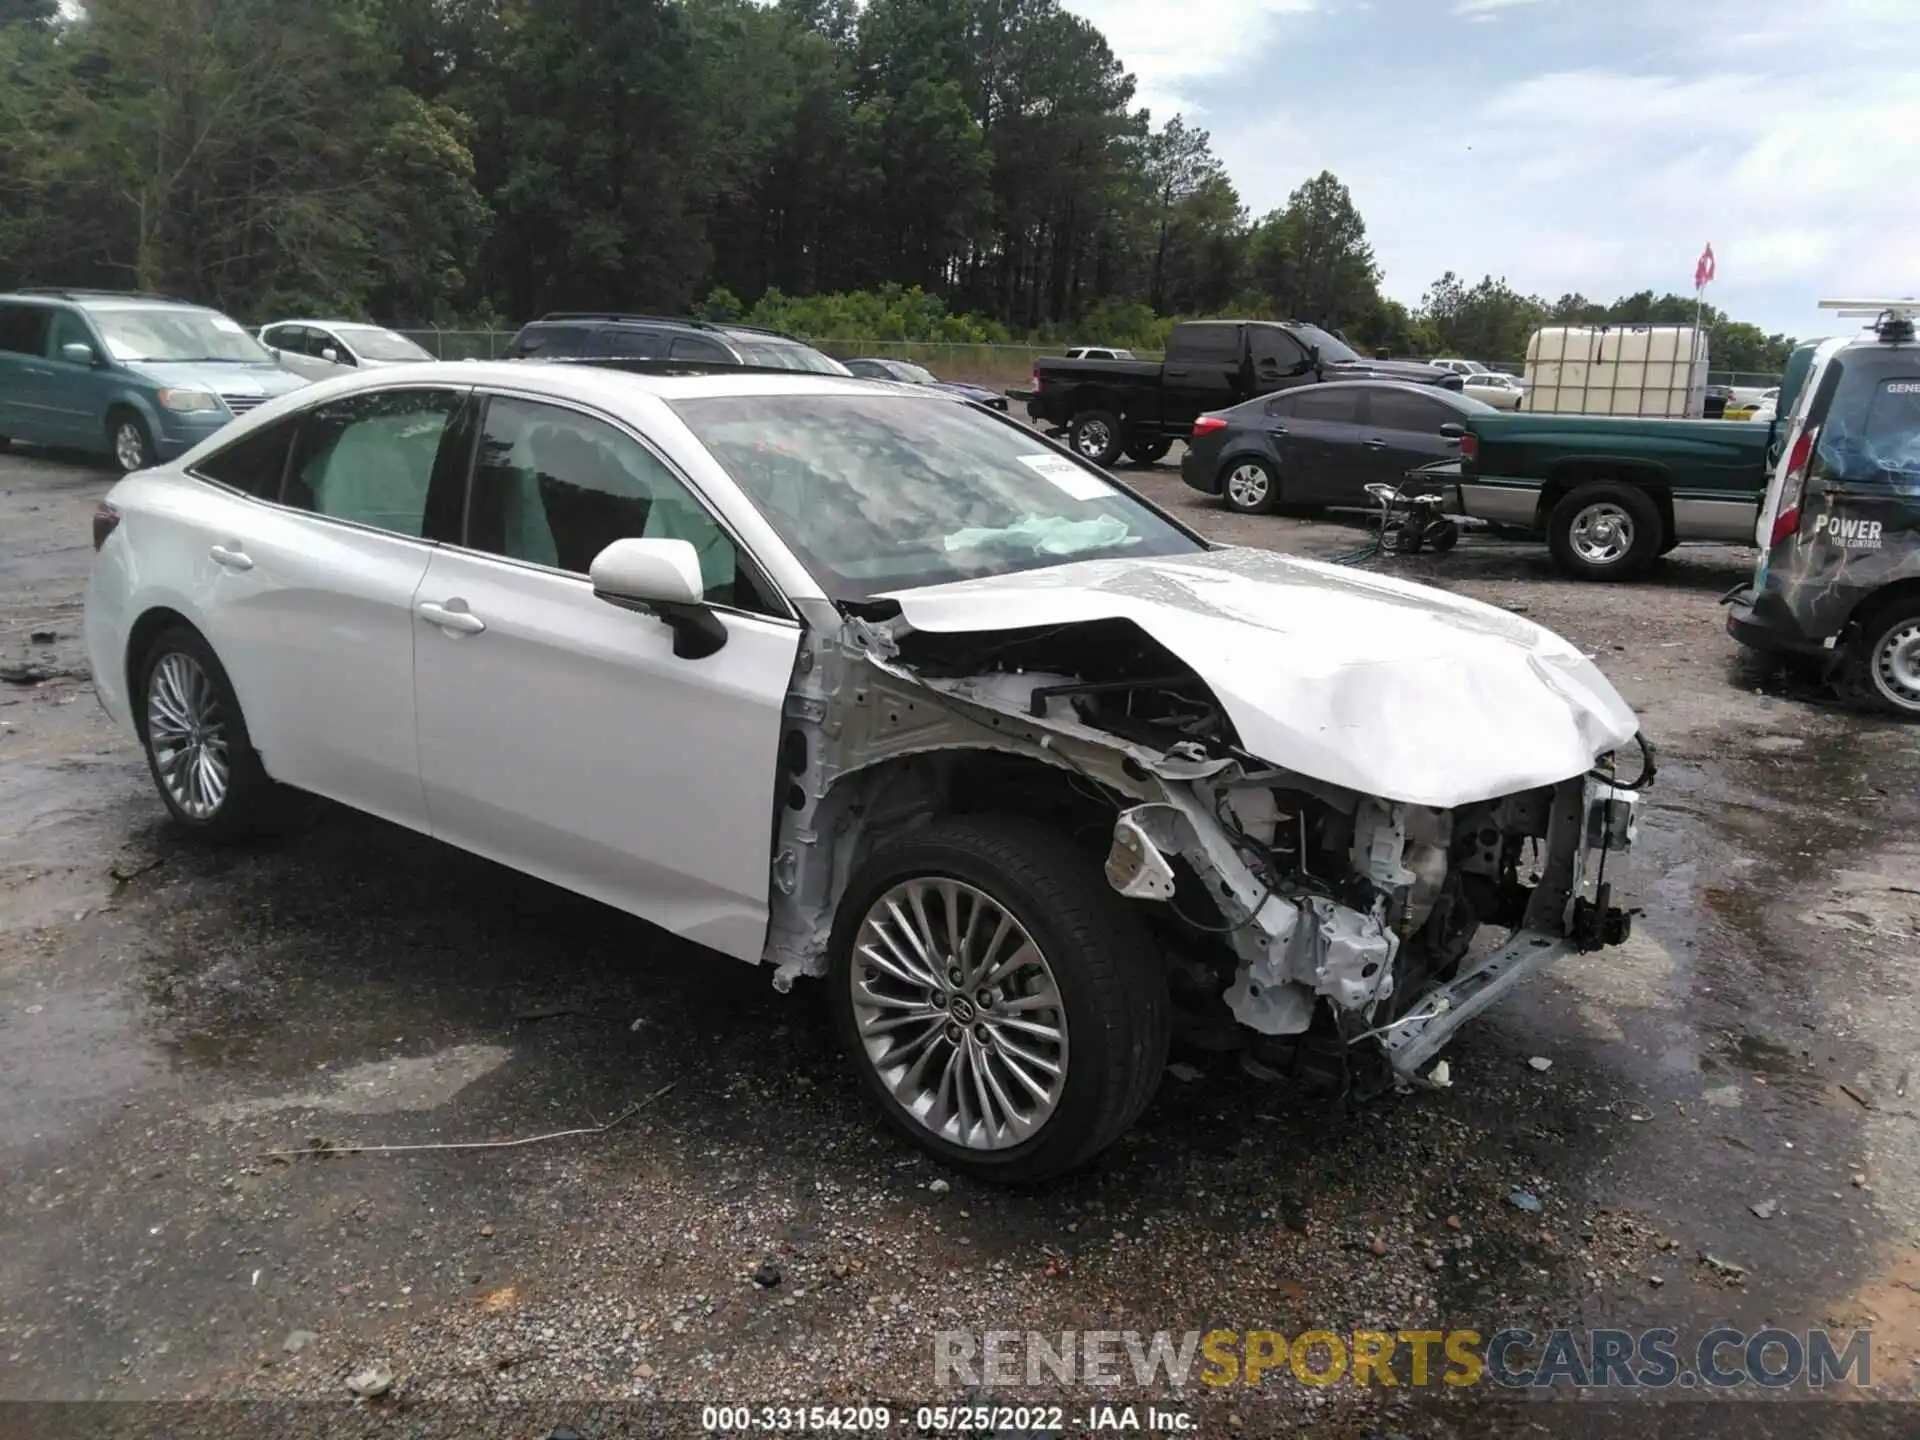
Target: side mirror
x,y
330,355
1454,431
660,577
79,353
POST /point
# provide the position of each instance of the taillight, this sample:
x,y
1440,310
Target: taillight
x,y
1786,519
105,518
1469,445
1208,425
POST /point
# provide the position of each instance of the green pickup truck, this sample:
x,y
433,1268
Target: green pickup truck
x,y
1610,492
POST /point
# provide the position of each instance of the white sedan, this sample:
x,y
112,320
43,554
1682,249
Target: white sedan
x,y
1501,391
876,686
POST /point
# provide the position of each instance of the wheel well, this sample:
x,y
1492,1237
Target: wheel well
x,y
930,785
140,639
1884,598
1090,399
119,408
1565,479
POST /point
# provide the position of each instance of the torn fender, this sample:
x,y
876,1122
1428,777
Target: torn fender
x,y
1379,685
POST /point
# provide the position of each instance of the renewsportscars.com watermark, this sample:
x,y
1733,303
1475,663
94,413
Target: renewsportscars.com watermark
x,y
1515,1359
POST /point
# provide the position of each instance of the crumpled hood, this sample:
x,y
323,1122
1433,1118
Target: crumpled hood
x,y
265,380
1379,685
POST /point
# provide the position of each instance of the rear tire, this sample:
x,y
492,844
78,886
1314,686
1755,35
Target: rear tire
x,y
1604,530
1250,485
1151,452
1096,437
906,1025
198,750
1881,668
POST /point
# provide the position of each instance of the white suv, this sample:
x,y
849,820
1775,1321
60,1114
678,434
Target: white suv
x,y
869,684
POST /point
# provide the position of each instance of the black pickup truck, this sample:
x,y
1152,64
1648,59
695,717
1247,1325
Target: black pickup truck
x,y
1140,407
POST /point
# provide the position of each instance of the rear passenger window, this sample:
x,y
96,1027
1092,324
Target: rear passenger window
x,y
547,341
1205,344
254,465
1317,402
23,329
698,347
370,458
643,344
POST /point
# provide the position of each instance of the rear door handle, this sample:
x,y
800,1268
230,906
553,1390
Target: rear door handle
x,y
461,621
232,557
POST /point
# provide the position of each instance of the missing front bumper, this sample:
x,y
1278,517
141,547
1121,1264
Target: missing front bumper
x,y
1412,1042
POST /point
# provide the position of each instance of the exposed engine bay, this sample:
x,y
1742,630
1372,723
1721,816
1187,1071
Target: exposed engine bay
x,y
1305,923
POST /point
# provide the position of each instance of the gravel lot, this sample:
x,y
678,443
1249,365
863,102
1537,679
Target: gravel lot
x,y
168,1014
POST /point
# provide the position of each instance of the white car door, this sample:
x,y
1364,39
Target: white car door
x,y
312,603
560,734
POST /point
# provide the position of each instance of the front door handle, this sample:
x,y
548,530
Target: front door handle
x,y
457,621
1375,444
232,557
1276,429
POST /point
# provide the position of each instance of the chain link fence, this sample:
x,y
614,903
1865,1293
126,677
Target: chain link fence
x,y
997,366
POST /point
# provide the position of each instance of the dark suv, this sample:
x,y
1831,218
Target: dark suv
x,y
583,336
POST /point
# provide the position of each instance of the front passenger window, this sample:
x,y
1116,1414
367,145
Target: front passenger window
x,y
554,487
369,458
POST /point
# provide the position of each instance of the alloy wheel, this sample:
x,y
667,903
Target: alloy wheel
x,y
1602,534
1092,439
1247,486
129,446
959,1013
187,731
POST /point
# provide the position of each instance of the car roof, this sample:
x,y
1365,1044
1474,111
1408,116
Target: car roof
x,y
608,386
104,300
338,324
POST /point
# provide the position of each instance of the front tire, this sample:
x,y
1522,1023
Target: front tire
x,y
1096,436
1604,531
1250,486
1881,669
195,737
1005,1008
131,442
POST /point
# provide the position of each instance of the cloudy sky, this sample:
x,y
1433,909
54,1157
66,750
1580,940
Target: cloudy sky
x,y
1590,145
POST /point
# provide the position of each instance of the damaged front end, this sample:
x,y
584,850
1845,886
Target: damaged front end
x,y
1326,934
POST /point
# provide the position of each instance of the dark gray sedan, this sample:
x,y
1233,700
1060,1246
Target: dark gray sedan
x,y
1324,444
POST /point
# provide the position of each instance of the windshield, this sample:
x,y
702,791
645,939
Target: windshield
x,y
1332,348
370,342
151,333
883,492
779,355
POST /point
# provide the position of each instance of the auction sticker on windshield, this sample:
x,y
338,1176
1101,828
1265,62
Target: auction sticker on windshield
x,y
1077,483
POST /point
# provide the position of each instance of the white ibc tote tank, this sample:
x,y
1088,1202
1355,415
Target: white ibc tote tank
x,y
1651,370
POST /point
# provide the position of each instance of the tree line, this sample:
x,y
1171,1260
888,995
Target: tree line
x,y
974,168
